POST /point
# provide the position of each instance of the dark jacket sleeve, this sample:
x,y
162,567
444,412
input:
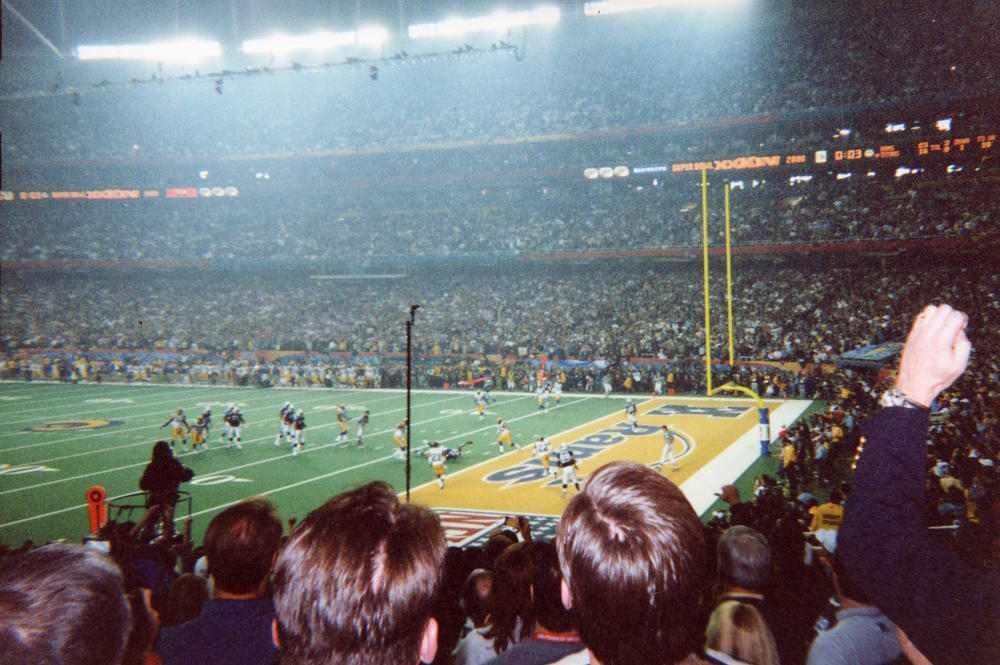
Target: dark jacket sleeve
x,y
949,610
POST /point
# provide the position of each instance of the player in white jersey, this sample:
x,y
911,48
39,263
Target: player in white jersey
x,y
298,432
503,434
179,428
606,384
631,414
480,399
435,457
543,396
542,451
557,392
399,438
668,449
567,462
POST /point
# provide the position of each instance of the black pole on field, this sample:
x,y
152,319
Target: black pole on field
x,y
409,374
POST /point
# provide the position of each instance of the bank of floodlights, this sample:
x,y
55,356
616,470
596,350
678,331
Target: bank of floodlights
x,y
373,37
499,21
168,51
605,7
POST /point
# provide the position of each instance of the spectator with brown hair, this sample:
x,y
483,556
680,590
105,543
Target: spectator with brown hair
x,y
476,646
632,555
234,626
357,581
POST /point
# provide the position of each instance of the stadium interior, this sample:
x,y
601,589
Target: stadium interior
x,y
561,200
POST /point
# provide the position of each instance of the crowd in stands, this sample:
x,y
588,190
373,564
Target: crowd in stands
x,y
677,68
572,215
604,314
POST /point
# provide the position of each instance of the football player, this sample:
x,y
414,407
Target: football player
x,y
567,462
299,431
283,426
198,430
630,413
542,395
234,421
435,457
206,419
342,422
399,438
503,434
480,399
542,451
362,422
557,392
668,449
179,429
225,423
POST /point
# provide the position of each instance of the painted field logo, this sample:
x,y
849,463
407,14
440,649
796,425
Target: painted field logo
x,y
74,425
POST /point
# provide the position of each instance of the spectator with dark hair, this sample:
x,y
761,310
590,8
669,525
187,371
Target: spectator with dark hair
x,y
554,635
950,610
185,597
62,605
513,614
234,626
161,479
632,555
476,646
862,635
357,581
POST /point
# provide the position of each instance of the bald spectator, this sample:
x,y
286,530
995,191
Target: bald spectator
x,y
357,580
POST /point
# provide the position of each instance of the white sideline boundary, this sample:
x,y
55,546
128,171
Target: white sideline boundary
x,y
727,466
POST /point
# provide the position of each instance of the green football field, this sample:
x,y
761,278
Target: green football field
x,y
58,440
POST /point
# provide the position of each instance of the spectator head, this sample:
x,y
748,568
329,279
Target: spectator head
x,y
631,552
185,597
240,545
62,605
845,586
743,558
739,630
357,580
161,452
512,605
545,582
477,596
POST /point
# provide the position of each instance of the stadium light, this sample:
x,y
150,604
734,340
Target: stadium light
x,y
605,7
499,21
373,36
184,49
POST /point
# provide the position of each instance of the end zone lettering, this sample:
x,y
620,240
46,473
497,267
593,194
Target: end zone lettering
x,y
532,470
693,410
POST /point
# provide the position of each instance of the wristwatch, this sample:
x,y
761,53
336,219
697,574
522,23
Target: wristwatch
x,y
896,397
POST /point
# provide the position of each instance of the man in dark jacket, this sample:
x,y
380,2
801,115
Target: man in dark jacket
x,y
949,610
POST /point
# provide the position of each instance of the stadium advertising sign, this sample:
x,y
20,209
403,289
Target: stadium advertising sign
x,y
733,164
121,194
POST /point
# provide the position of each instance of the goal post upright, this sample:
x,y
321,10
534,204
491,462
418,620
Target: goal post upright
x,y
704,246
